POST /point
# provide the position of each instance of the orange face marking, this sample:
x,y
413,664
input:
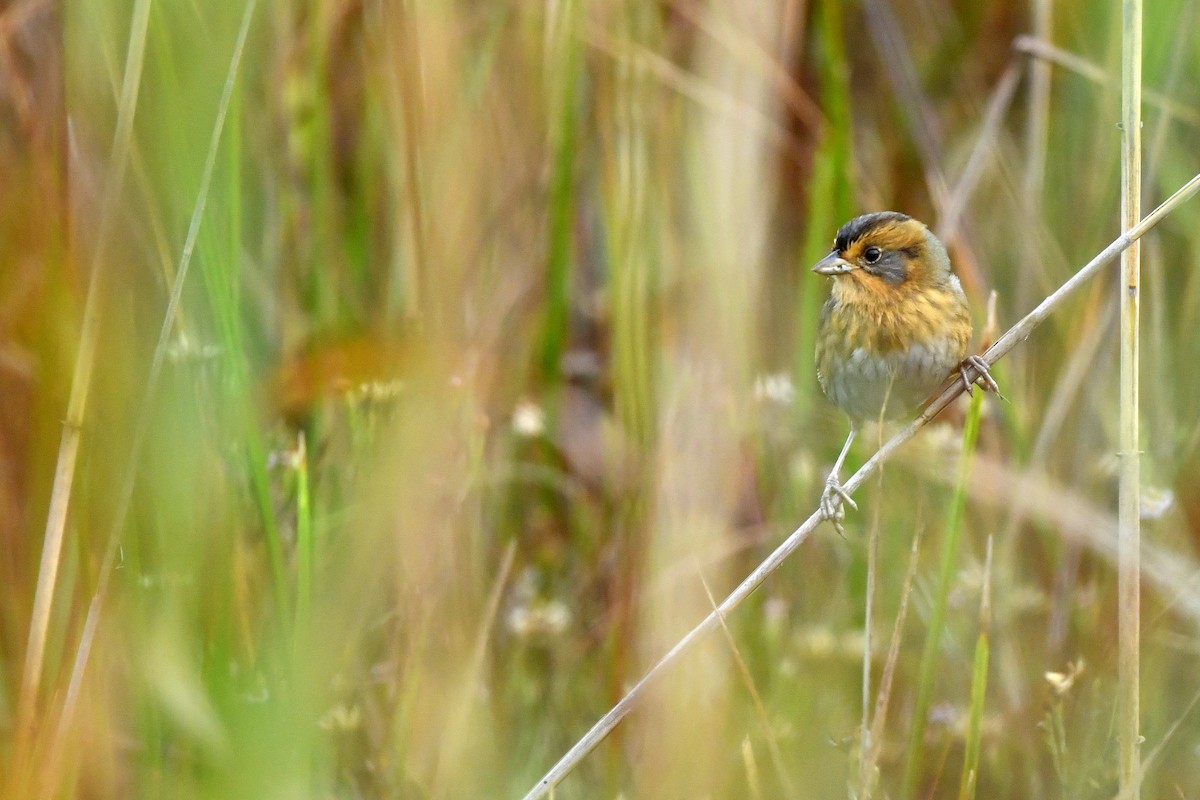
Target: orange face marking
x,y
909,238
892,235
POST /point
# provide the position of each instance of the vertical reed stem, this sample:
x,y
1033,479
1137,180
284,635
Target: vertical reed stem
x,y
1129,504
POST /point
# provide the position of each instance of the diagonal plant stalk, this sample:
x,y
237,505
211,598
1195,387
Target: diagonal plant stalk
x,y
92,620
1129,494
81,380
1091,71
1014,336
883,26
985,145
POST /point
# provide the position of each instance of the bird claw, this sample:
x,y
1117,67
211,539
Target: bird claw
x,y
984,378
833,502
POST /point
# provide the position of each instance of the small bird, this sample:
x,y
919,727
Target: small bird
x,y
895,327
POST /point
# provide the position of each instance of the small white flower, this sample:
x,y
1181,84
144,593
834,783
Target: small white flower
x,y
544,618
1061,682
1156,501
528,419
776,387
183,349
340,718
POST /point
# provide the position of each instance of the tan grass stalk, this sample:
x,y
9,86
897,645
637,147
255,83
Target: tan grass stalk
x,y
866,739
1015,335
461,712
112,548
772,739
81,380
869,769
1129,495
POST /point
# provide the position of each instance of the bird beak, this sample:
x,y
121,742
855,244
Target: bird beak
x,y
833,264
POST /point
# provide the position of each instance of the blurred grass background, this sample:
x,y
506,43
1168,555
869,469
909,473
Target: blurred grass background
x,y
495,355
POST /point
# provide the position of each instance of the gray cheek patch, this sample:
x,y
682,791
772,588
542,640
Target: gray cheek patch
x,y
890,267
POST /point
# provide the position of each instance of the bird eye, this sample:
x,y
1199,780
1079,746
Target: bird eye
x,y
872,254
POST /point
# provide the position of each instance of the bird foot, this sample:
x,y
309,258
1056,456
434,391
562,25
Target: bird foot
x,y
983,378
833,502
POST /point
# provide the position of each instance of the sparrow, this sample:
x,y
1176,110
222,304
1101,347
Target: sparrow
x,y
895,327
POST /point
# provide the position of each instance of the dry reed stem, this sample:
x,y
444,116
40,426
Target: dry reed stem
x,y
1129,501
1014,336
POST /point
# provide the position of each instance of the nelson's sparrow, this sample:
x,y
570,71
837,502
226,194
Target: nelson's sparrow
x,y
895,326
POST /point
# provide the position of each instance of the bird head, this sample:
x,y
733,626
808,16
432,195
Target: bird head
x,y
885,251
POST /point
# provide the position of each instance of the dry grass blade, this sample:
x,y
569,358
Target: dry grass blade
x,y
883,698
794,96
81,380
902,72
993,121
1039,110
696,90
865,733
112,549
1079,521
1153,755
1096,74
773,748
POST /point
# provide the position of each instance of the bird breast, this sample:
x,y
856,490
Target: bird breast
x,y
883,359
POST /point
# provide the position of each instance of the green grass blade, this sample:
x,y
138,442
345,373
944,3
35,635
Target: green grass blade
x,y
937,618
